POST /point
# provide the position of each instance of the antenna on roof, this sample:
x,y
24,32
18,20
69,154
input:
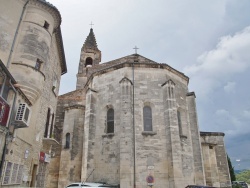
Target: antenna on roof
x,y
88,176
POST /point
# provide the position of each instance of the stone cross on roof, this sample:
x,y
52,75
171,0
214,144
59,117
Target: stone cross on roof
x,y
91,24
135,49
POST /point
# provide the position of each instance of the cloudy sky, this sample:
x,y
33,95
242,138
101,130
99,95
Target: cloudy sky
x,y
207,40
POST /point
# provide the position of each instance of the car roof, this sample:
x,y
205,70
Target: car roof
x,y
239,181
87,183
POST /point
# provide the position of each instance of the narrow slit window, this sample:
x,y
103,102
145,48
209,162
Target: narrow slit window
x,y
38,64
179,122
147,118
110,121
46,25
67,144
47,124
52,126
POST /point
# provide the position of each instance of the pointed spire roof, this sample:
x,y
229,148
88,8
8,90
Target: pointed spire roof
x,y
90,42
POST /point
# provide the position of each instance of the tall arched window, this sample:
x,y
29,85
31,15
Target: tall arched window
x,y
179,121
110,121
147,118
89,62
67,144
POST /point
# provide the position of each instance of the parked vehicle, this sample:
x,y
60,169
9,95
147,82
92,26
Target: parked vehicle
x,y
198,186
89,184
242,183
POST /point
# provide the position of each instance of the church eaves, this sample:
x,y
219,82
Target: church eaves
x,y
135,60
90,42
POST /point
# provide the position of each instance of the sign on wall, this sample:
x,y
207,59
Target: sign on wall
x,y
44,157
150,180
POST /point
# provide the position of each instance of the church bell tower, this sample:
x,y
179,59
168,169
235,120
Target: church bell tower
x,y
90,57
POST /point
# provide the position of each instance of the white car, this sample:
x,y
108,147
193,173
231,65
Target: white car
x,y
88,184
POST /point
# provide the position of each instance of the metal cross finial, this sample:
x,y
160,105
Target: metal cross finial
x,y
135,49
91,24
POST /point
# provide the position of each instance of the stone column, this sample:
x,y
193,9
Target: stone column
x,y
195,138
222,163
172,132
89,136
126,135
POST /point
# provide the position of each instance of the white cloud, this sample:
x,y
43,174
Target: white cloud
x,y
229,87
246,114
231,56
232,123
222,112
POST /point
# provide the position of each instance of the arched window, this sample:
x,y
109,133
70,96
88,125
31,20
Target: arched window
x,y
89,62
147,118
179,121
110,121
67,140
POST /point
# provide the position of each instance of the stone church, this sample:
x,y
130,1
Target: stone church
x,y
133,122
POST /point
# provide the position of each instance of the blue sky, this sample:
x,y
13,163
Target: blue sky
x,y
207,40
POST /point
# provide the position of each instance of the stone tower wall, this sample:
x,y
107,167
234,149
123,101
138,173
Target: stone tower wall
x,y
33,41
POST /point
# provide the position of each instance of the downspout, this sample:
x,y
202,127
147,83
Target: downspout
x,y
15,36
7,134
133,107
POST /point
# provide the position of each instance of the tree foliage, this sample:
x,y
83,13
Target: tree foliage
x,y
244,176
231,169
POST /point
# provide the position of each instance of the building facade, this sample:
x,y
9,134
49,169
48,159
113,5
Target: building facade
x,y
133,122
33,60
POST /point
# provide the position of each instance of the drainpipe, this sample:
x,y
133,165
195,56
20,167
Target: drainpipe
x,y
134,121
15,36
6,142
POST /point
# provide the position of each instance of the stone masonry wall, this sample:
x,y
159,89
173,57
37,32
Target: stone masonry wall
x,y
69,118
215,163
159,153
